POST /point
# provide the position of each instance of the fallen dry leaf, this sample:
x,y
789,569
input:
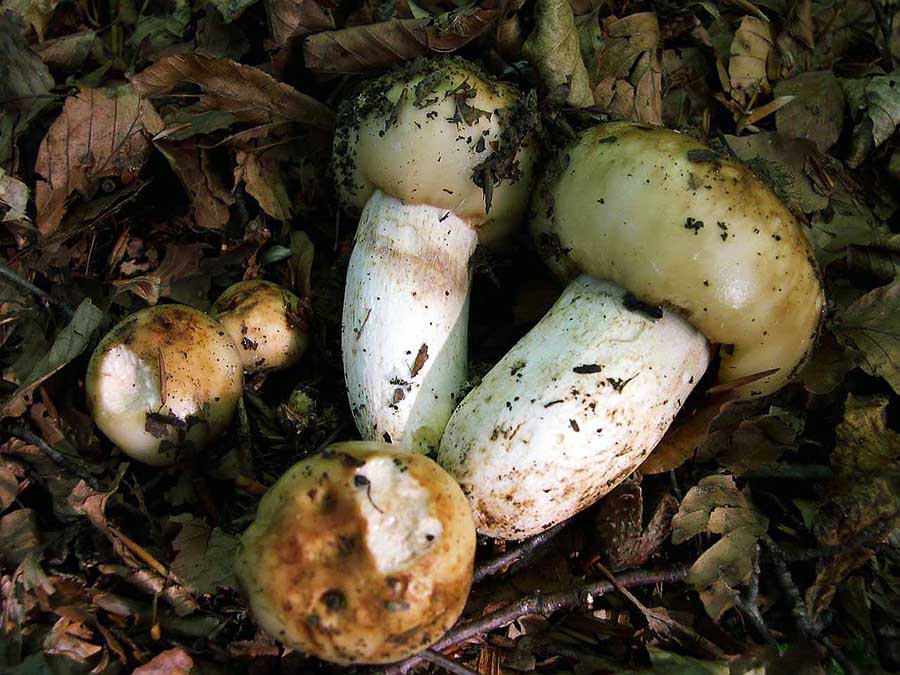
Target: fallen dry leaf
x,y
170,662
210,198
817,111
372,47
260,172
296,18
99,134
248,93
749,54
871,325
553,49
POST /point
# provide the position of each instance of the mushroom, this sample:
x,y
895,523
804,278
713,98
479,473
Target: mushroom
x,y
674,255
362,554
163,380
439,158
265,322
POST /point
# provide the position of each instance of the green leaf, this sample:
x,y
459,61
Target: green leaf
x,y
871,326
69,344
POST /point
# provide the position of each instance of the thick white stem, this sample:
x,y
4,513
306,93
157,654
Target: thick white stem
x,y
570,410
405,320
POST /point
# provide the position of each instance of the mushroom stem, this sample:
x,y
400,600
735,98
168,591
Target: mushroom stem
x,y
405,320
571,409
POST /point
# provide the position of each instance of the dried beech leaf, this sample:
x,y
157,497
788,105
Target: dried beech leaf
x,y
68,52
372,47
715,505
629,71
295,18
209,197
98,135
263,180
553,49
816,112
248,93
170,662
749,55
871,326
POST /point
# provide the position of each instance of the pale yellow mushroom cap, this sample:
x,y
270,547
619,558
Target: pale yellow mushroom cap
x,y
362,554
676,224
425,133
163,380
265,322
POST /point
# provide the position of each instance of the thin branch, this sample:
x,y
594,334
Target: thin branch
x,y
539,603
749,607
446,663
10,275
518,554
62,461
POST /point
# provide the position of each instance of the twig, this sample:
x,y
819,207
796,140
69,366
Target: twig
x,y
58,458
810,472
517,554
749,607
10,275
446,663
804,622
539,603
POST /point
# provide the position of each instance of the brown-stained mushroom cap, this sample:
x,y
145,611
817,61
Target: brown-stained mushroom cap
x,y
362,554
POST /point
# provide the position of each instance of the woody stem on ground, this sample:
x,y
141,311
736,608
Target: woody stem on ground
x,y
520,554
747,603
10,275
540,603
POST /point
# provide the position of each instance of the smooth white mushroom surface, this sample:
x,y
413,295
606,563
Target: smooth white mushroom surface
x,y
663,228
362,554
163,381
265,322
570,410
439,157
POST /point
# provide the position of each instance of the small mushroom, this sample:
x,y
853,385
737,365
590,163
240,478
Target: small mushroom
x,y
164,380
673,253
362,554
265,322
437,157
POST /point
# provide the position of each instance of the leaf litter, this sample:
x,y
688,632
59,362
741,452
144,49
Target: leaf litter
x,y
160,153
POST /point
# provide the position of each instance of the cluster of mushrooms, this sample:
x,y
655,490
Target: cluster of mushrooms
x,y
678,261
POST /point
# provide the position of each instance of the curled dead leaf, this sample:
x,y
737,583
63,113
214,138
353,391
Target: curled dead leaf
x,y
749,54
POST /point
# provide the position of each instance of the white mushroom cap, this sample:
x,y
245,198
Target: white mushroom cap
x,y
421,135
677,225
163,380
265,322
362,554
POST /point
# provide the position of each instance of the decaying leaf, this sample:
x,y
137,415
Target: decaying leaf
x,y
246,92
261,175
817,111
369,48
300,262
629,71
871,326
231,9
553,49
19,536
295,18
210,198
754,442
715,505
205,555
623,538
180,269
749,54
13,198
71,341
69,52
100,134
875,106
170,662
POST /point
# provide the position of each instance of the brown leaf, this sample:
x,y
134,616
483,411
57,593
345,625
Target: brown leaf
x,y
99,134
817,111
295,18
554,50
209,197
372,47
170,662
871,325
205,555
749,55
181,262
24,79
686,435
799,22
629,70
67,53
261,174
18,535
248,93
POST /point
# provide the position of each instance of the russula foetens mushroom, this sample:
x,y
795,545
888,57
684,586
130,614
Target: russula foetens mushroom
x,y
164,380
265,322
362,554
673,252
439,158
